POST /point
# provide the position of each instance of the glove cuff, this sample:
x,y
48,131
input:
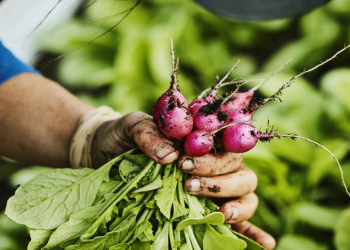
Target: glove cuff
x,y
80,150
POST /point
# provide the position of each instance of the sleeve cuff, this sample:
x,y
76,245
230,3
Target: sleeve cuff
x,y
11,66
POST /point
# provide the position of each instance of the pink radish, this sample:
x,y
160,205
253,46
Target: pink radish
x,y
198,143
164,99
242,100
238,115
175,121
207,122
207,117
242,137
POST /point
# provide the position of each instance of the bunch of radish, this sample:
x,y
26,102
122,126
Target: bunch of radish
x,y
199,122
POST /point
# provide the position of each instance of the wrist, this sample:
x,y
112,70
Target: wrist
x,y
84,149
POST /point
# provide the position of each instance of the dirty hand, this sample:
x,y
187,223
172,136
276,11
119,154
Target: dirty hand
x,y
220,175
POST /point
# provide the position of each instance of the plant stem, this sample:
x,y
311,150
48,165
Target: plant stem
x,y
118,197
270,76
226,126
142,219
171,237
156,171
218,85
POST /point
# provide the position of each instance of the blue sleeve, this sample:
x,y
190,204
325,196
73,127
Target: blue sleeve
x,y
11,66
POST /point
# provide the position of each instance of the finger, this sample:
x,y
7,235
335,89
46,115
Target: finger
x,y
255,233
210,164
240,209
141,129
236,184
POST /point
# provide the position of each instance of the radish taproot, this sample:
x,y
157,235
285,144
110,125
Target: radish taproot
x,y
243,137
173,91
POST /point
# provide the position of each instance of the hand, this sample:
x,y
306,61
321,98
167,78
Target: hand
x,y
222,175
134,129
214,175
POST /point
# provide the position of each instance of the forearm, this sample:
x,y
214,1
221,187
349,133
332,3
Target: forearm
x,y
37,120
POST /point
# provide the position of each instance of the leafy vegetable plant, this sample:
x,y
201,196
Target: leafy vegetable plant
x,y
131,203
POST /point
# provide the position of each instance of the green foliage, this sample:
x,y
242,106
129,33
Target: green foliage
x,y
122,221
342,231
302,202
58,192
214,240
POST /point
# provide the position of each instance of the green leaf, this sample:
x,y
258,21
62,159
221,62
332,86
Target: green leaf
x,y
165,195
224,230
50,198
122,246
292,242
133,207
137,245
196,208
7,243
77,224
342,231
139,159
126,167
81,76
178,210
216,218
315,215
214,240
144,232
106,214
199,231
156,183
110,239
251,245
211,205
162,242
39,238
185,247
107,187
126,223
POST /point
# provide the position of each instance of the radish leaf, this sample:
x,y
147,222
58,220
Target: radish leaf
x,y
165,195
50,198
216,218
39,238
214,240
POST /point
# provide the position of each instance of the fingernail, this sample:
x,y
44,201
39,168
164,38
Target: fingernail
x,y
187,165
195,185
163,150
235,213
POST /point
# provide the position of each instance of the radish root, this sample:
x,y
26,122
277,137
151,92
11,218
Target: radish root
x,y
294,137
279,92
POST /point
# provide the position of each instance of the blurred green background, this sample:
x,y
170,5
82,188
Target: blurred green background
x,y
302,201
